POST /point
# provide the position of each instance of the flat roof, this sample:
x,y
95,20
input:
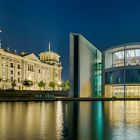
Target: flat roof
x,y
121,46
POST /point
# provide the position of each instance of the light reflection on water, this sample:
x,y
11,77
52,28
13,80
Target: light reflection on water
x,y
116,120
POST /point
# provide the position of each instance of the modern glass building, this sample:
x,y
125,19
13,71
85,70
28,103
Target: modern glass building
x,y
121,71
85,67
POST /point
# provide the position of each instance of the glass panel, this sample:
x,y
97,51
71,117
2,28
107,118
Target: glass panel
x,y
133,91
118,59
132,57
117,91
114,77
132,76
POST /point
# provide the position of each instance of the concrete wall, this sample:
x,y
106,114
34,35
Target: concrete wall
x,y
83,58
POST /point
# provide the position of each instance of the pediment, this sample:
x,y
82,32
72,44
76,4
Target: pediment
x,y
32,57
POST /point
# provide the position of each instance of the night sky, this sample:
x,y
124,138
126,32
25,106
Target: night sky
x,y
28,25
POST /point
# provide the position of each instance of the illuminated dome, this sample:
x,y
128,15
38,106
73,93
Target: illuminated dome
x,y
49,56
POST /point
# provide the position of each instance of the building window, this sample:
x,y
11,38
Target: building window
x,y
12,79
12,65
39,71
18,79
30,67
11,71
3,77
3,63
3,70
18,66
118,59
18,73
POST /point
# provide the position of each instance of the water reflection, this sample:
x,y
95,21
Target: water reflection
x,y
70,120
59,120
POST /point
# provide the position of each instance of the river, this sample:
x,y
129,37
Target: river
x,y
110,120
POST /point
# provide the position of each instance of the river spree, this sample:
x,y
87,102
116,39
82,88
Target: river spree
x,y
117,120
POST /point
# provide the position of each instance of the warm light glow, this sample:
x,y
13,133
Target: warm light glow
x,y
59,119
59,83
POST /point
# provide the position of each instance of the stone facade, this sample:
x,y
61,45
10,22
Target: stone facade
x,y
21,67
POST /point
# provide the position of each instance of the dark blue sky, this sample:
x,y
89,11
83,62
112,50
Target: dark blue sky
x,y
29,25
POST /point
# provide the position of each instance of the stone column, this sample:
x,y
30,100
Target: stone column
x,y
52,74
8,69
60,74
25,70
15,70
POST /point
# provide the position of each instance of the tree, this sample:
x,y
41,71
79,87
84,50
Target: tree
x,y
67,85
62,85
14,84
42,84
28,83
52,85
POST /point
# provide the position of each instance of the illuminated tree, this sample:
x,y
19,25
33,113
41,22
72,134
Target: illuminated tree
x,y
52,85
42,84
28,83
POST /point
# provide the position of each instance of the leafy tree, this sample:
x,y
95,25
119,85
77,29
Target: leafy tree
x,y
42,84
67,85
14,84
28,83
52,85
62,85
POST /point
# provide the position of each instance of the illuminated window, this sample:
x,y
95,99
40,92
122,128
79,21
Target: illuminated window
x,y
133,57
3,63
3,77
118,58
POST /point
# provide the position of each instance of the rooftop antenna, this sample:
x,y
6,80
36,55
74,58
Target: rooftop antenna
x,y
49,46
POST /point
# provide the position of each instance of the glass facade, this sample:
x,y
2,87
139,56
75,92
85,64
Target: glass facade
x,y
130,56
122,71
118,59
121,91
114,77
98,80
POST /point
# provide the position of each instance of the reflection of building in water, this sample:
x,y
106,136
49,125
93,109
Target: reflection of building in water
x,y
21,67
123,112
121,71
59,120
122,117
85,126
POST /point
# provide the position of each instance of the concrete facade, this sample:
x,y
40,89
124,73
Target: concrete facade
x,y
85,67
